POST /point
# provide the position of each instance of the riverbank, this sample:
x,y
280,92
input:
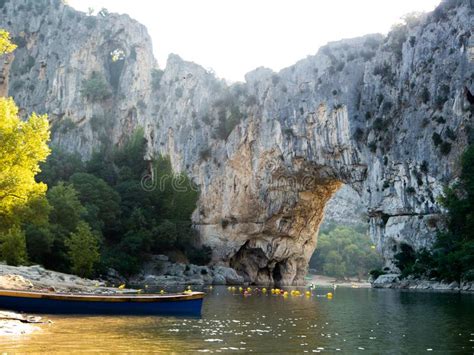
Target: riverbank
x,y
161,271
328,282
36,278
395,281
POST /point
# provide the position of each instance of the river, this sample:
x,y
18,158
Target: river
x,y
354,320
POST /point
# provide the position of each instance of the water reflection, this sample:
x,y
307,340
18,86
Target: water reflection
x,y
354,320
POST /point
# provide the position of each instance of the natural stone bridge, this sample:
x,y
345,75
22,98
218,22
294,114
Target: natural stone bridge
x,y
386,115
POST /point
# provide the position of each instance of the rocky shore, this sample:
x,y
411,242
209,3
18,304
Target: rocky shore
x,y
396,281
160,271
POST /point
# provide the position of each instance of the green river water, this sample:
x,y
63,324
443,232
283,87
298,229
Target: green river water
x,y
353,321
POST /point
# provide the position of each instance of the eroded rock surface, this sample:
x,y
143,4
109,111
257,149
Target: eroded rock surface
x,y
386,115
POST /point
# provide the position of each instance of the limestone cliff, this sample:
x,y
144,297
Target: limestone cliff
x,y
386,115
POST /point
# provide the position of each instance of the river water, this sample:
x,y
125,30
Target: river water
x,y
354,320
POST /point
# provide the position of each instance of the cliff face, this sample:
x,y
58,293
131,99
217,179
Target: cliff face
x,y
386,115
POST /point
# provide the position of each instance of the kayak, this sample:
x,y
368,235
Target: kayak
x,y
188,303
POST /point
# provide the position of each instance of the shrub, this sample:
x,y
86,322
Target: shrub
x,y
83,250
439,119
437,140
445,148
251,100
205,154
373,147
13,247
379,124
275,79
376,273
156,75
20,41
95,88
424,95
165,235
424,166
227,123
410,190
358,134
67,124
30,62
450,134
200,256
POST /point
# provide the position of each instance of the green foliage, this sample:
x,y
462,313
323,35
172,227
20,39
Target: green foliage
x,y
60,166
156,75
13,246
95,88
452,255
445,148
83,250
200,256
344,251
101,201
437,140
104,200
424,95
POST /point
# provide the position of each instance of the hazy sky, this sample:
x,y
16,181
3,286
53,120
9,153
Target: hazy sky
x,y
234,37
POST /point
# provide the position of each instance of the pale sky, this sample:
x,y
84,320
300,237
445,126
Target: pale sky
x,y
234,37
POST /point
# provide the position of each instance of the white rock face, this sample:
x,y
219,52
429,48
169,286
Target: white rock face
x,y
387,116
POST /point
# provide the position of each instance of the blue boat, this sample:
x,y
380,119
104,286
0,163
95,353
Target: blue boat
x,y
178,304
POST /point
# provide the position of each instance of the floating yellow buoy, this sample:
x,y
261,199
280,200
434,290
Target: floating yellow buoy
x,y
249,289
285,294
229,288
162,291
308,293
241,289
329,295
264,290
121,287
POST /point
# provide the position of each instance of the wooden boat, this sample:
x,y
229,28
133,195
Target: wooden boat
x,y
141,304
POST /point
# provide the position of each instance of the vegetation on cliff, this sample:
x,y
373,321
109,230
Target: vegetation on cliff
x,y
452,255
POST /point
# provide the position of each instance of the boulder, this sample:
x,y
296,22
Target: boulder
x,y
386,280
218,279
230,275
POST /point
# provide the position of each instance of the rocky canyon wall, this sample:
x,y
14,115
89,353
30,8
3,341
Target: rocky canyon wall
x,y
386,115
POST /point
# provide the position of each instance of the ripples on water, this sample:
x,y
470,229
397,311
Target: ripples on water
x,y
354,320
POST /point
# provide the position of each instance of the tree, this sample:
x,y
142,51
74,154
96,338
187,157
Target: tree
x,y
13,247
334,265
165,235
60,166
6,46
65,216
345,251
24,145
453,251
100,200
83,250
95,88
